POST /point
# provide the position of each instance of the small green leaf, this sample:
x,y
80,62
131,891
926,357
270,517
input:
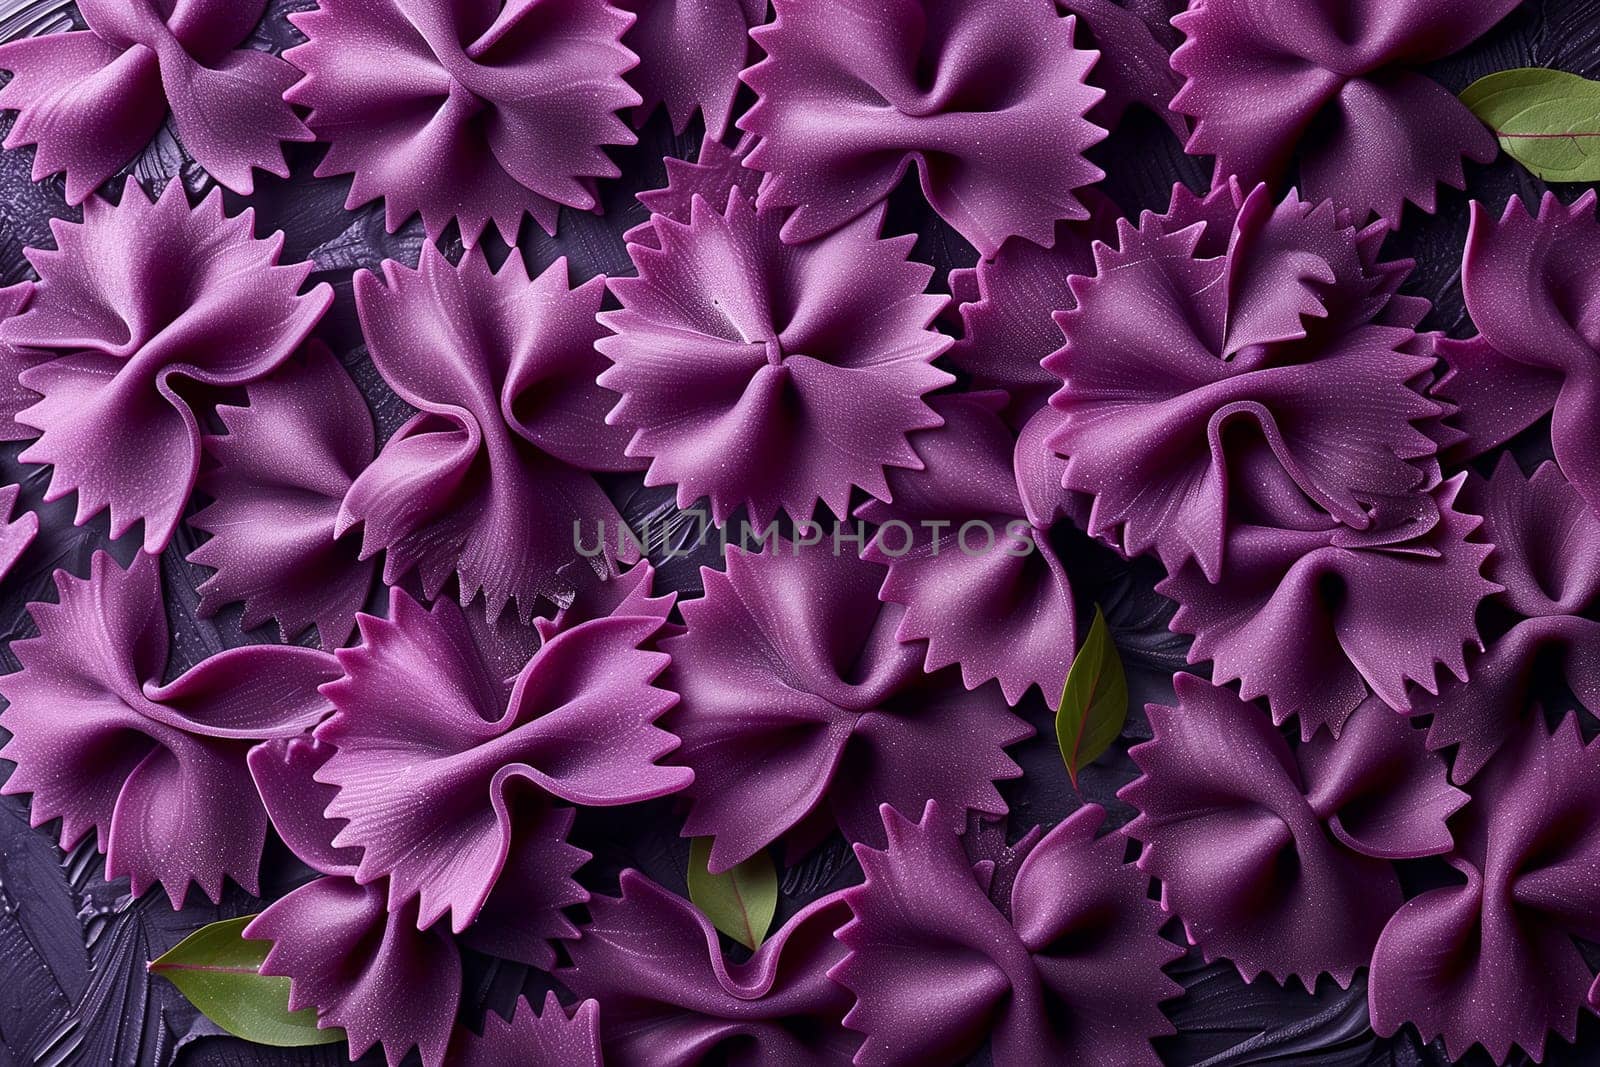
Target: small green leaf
x,y
220,972
1547,120
1094,703
741,901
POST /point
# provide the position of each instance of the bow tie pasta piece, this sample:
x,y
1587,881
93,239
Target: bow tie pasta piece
x,y
156,771
471,111
1331,85
987,100
91,99
138,305
1060,963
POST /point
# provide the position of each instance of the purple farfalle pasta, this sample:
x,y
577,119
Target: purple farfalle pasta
x,y
1240,396
712,176
1492,961
14,396
156,770
995,863
1332,86
473,111
550,1038
283,469
1007,327
988,100
671,999
364,969
1380,634
1040,471
1278,858
690,54
436,787
361,967
92,99
507,644
1065,968
801,710
490,479
372,971
630,593
1530,288
1313,619
772,375
958,535
1135,41
16,533
1547,556
1236,357
283,771
137,305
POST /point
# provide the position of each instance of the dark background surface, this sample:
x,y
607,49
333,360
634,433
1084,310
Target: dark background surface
x,y
73,986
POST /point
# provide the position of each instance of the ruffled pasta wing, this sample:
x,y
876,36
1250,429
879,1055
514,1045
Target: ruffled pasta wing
x,y
980,584
16,531
1311,621
548,1038
365,969
284,774
1492,396
1085,916
283,469
1007,327
716,172
690,55
1134,67
1528,284
14,396
1547,543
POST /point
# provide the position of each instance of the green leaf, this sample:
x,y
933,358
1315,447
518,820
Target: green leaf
x,y
1094,703
220,972
1547,120
741,901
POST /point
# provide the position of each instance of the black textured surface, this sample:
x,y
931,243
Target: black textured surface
x,y
73,988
